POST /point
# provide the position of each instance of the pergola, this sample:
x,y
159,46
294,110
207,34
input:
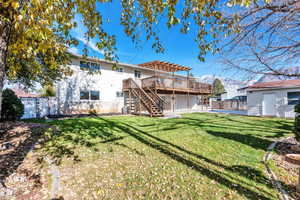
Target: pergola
x,y
164,66
171,68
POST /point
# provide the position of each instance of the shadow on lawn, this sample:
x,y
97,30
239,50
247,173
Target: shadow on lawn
x,y
240,186
237,130
78,132
87,133
281,126
19,138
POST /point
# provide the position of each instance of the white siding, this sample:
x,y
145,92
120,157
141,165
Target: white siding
x,y
183,103
255,99
108,82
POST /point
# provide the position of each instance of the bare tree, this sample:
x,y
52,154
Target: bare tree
x,y
267,39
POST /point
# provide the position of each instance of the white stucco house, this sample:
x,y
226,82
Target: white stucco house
x,y
277,98
106,87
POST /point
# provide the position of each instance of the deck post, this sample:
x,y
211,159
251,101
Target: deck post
x,y
188,89
155,79
140,106
130,102
173,95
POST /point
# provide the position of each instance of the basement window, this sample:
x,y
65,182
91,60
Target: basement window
x,y
84,95
95,95
89,95
293,98
120,94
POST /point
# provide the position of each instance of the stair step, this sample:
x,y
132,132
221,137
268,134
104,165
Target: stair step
x,y
146,98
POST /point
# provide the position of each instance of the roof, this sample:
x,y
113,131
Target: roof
x,y
164,66
242,88
119,63
23,94
276,84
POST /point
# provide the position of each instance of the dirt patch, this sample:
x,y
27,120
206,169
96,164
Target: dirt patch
x,y
283,148
21,168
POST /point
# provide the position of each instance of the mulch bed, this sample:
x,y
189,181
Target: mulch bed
x,y
74,116
20,167
283,148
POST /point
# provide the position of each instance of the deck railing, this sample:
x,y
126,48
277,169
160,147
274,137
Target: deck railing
x,y
177,83
169,83
126,84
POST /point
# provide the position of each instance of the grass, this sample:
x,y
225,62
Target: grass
x,y
199,156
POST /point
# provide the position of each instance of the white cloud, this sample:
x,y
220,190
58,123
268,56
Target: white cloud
x,y
73,50
90,44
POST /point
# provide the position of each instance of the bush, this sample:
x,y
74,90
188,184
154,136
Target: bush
x,y
297,128
93,112
297,108
297,122
12,107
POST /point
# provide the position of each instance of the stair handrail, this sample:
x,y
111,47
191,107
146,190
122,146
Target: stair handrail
x,y
143,91
161,102
156,95
147,107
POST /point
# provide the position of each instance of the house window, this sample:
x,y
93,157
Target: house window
x,y
89,66
137,74
89,95
95,95
84,65
120,94
119,69
84,95
293,98
95,67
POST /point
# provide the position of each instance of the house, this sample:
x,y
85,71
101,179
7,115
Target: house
x,y
103,86
276,98
22,94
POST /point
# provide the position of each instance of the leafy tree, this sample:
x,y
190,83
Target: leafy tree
x,y
217,87
48,91
35,34
12,106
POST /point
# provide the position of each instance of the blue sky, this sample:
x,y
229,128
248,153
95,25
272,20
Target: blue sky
x,y
179,48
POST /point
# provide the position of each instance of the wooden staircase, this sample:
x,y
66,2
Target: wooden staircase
x,y
147,99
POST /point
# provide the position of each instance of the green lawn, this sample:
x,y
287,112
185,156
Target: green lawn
x,y
199,156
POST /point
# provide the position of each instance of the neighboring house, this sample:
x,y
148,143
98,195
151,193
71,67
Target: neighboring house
x,y
22,94
276,98
102,86
231,86
242,91
233,90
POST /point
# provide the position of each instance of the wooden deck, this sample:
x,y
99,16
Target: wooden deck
x,y
169,84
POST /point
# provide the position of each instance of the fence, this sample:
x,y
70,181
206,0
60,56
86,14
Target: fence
x,y
39,107
230,105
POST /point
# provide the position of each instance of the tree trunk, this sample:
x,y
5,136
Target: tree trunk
x,y
4,37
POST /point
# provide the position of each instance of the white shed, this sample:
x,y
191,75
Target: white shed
x,y
277,98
